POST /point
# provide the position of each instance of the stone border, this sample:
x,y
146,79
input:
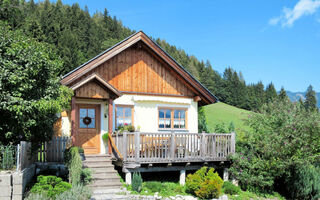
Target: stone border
x,y
13,184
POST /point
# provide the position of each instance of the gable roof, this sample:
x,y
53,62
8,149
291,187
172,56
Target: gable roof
x,y
203,92
100,80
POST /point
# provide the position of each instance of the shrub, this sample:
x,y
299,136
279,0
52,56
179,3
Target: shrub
x,y
77,192
67,154
86,176
105,137
283,135
74,165
50,186
305,182
153,186
136,182
7,157
36,196
204,183
229,188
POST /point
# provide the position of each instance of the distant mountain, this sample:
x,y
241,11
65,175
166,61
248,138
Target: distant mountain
x,y
295,96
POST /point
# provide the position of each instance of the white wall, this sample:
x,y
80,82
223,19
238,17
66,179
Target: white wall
x,y
145,113
146,110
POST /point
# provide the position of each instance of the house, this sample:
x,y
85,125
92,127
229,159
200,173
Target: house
x,y
137,83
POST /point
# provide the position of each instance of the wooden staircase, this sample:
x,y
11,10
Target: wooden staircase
x,y
106,180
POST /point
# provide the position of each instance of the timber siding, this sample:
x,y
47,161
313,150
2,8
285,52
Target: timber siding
x,y
136,70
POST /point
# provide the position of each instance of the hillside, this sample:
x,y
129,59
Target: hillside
x,y
224,113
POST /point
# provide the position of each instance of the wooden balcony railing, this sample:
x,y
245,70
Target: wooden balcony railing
x,y
174,147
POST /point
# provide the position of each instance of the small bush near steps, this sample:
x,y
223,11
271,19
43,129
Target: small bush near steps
x,y
205,184
136,182
229,188
77,192
50,186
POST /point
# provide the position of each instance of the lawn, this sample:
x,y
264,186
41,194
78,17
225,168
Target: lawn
x,y
224,113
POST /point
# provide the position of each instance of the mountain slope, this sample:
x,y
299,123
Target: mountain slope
x,y
224,113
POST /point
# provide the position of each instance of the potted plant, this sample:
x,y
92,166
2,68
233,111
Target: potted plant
x,y
105,138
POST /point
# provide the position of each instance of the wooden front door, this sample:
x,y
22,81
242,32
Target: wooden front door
x,y
88,135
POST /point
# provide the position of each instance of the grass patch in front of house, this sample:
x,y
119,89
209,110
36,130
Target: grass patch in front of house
x,y
218,113
164,189
250,195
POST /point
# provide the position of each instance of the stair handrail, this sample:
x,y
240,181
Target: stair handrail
x,y
113,145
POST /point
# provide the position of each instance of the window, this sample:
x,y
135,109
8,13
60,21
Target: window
x,y
87,118
172,118
124,116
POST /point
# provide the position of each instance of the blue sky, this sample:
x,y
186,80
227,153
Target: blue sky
x,y
272,40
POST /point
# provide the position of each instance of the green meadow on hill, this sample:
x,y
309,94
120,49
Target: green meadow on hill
x,y
223,113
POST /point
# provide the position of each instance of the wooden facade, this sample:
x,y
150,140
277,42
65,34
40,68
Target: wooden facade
x,y
136,70
91,90
138,66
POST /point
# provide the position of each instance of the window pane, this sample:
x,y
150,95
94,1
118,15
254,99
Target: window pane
x,y
127,121
168,123
161,113
119,122
127,112
161,123
182,124
91,113
82,125
175,123
83,112
168,114
92,124
176,114
119,111
182,114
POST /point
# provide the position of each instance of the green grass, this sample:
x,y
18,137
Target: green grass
x,y
165,189
223,113
246,195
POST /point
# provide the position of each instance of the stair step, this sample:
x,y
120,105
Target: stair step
x,y
97,155
98,165
113,180
106,191
96,170
97,162
97,159
105,183
104,175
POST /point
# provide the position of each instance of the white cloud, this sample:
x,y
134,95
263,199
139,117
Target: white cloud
x,y
289,16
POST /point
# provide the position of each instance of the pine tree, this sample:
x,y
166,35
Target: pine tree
x,y
311,102
283,95
271,93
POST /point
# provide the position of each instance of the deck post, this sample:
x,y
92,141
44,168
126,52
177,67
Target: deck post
x,y
128,178
137,146
233,142
225,174
173,145
182,179
125,143
203,145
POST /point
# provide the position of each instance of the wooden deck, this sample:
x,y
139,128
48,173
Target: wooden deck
x,y
155,148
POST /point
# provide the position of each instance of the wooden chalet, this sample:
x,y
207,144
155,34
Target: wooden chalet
x,y
136,83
